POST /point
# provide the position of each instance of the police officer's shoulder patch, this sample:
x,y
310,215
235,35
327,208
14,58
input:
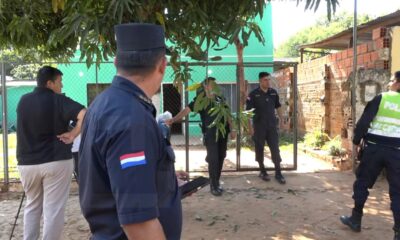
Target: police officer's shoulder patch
x,y
132,159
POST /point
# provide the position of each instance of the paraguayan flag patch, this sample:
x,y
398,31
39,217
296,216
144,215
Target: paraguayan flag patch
x,y
132,159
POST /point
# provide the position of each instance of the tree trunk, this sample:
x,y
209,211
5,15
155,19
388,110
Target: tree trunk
x,y
240,73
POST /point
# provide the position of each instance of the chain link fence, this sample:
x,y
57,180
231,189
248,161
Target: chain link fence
x,y
82,84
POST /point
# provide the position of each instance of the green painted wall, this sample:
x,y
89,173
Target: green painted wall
x,y
77,76
14,94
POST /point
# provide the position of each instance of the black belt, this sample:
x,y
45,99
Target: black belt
x,y
384,145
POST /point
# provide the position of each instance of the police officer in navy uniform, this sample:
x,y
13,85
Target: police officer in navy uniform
x,y
265,100
128,188
216,147
379,128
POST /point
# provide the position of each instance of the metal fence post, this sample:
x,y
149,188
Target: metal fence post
x,y
4,125
295,117
239,133
353,85
97,79
186,126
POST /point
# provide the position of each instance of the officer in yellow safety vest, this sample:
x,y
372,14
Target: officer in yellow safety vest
x,y
379,128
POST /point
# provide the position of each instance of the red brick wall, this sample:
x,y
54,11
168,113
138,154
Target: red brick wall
x,y
311,89
329,77
284,82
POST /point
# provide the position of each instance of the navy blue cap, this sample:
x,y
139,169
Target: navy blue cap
x,y
139,37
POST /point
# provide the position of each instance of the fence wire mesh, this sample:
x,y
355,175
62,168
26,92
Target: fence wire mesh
x,y
82,84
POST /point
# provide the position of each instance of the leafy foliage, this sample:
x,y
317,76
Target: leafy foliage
x,y
320,140
13,59
219,109
321,30
334,147
316,139
56,29
25,72
314,4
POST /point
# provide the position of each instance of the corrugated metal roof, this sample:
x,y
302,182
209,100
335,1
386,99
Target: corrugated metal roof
x,y
342,40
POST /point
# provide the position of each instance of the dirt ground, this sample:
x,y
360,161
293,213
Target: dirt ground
x,y
307,207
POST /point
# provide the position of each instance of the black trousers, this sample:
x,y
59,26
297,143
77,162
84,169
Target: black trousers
x,y
76,158
262,134
374,159
216,153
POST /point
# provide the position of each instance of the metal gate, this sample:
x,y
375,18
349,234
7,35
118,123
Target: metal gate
x,y
186,136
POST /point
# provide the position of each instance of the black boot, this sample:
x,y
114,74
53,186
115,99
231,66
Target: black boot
x,y
263,172
396,234
264,176
278,174
353,222
214,190
279,177
220,189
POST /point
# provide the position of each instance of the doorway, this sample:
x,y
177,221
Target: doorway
x,y
172,103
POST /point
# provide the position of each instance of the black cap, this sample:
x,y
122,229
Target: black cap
x,y
139,37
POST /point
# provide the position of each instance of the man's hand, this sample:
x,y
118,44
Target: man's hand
x,y
182,175
359,151
358,148
66,137
169,122
251,130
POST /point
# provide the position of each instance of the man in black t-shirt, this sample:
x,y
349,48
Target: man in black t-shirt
x,y
44,152
265,101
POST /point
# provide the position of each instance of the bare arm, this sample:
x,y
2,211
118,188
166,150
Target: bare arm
x,y
233,131
151,229
68,137
280,113
280,116
183,113
250,127
250,105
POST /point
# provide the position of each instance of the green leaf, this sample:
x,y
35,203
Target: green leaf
x,y
160,18
54,3
194,87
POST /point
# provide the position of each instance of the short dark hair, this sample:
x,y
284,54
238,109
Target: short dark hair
x,y
139,62
47,73
209,79
263,74
205,82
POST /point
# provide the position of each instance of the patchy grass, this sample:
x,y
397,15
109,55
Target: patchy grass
x,y
12,157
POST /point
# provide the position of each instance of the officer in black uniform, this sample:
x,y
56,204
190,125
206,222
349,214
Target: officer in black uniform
x,y
216,147
379,128
265,100
128,188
